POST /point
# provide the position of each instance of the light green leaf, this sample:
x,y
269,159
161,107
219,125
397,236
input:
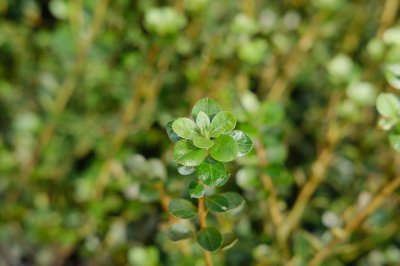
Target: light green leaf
x,y
182,208
217,203
212,174
209,238
187,154
179,231
225,149
185,128
243,141
206,105
393,76
234,199
202,142
203,121
388,105
223,122
196,190
171,133
394,141
186,170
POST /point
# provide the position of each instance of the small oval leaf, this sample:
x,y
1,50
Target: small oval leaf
x,y
217,203
223,122
185,170
171,133
203,121
206,105
243,141
202,142
392,74
184,128
212,174
209,238
182,208
225,149
388,105
179,231
196,190
234,199
187,154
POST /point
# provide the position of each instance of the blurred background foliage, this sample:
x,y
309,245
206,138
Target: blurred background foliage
x,y
87,87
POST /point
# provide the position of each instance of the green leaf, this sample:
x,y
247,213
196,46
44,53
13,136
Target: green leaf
x,y
187,154
225,149
388,105
228,240
179,231
203,121
394,141
185,128
243,141
209,238
217,203
234,199
202,142
223,122
186,170
182,208
212,174
392,74
206,105
196,190
171,133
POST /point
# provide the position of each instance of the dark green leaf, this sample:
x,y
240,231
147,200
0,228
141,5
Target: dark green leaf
x,y
243,141
202,142
187,154
234,199
185,128
217,203
225,149
171,133
206,105
179,231
209,238
182,208
212,174
223,122
196,190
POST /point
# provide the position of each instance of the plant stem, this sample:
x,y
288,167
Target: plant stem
x,y
202,221
356,222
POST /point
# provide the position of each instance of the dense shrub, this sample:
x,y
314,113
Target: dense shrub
x,y
87,171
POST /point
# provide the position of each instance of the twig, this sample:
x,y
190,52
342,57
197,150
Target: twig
x,y
68,87
356,222
202,221
318,171
388,15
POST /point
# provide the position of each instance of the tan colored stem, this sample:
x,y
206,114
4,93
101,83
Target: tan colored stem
x,y
356,222
68,87
318,171
202,221
388,15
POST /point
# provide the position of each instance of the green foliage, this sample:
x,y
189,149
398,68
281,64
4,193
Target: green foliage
x,y
209,238
209,143
88,89
182,209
